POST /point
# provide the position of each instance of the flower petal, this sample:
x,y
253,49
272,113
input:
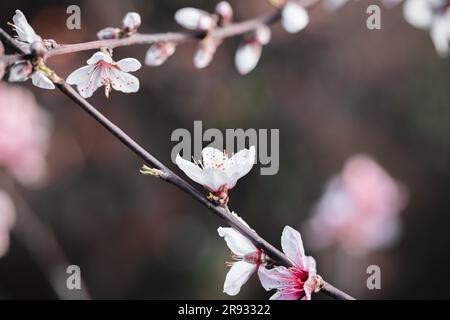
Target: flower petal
x,y
41,81
193,171
247,56
294,17
237,243
292,245
129,65
87,88
238,275
80,75
204,55
276,278
99,56
23,29
194,19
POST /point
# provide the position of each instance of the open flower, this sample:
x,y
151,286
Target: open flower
x,y
250,50
7,220
218,173
103,71
199,20
294,17
294,283
359,209
433,15
247,259
24,135
2,63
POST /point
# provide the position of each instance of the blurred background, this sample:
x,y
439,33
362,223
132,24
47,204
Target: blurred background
x,y
334,90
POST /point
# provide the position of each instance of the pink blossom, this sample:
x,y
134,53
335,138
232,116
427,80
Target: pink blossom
x,y
103,71
24,135
296,282
249,52
359,209
7,220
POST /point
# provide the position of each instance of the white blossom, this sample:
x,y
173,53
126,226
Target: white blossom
x,y
103,71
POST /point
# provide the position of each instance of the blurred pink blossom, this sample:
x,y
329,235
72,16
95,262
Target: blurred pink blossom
x,y
7,220
359,209
24,135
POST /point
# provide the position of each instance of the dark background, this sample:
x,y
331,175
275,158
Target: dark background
x,y
334,90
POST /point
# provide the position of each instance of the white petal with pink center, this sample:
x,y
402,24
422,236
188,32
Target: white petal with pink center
x,y
103,71
216,171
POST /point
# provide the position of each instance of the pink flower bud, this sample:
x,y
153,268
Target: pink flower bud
x,y
205,53
108,33
20,71
131,22
225,11
158,53
263,34
294,17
